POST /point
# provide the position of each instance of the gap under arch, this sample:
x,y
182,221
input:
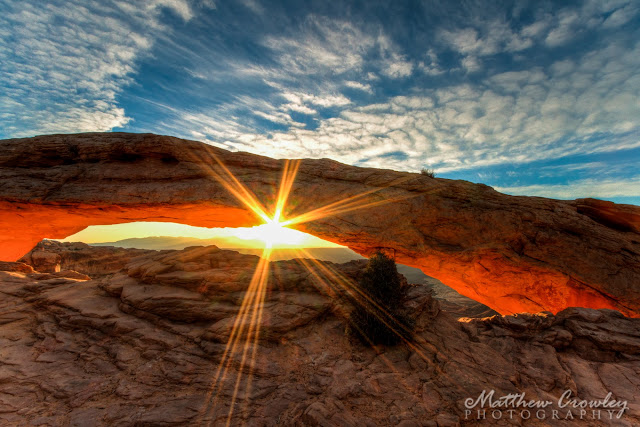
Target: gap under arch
x,y
247,240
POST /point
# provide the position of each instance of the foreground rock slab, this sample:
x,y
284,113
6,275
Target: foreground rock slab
x,y
512,254
142,346
101,261
50,256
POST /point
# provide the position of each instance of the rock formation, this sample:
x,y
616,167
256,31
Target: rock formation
x,y
141,347
511,253
99,261
50,256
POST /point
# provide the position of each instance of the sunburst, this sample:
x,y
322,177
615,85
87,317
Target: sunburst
x,y
242,346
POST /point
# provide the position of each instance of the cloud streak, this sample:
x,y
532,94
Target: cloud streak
x,y
480,88
595,188
64,63
570,107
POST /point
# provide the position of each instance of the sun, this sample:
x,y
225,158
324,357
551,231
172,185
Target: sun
x,y
245,334
271,233
275,235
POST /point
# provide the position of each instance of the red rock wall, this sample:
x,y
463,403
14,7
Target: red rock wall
x,y
511,253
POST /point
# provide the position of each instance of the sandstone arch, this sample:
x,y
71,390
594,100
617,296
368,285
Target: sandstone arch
x,y
511,253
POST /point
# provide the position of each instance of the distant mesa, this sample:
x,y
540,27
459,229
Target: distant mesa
x,y
513,254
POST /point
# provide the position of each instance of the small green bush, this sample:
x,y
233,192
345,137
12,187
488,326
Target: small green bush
x,y
428,172
383,321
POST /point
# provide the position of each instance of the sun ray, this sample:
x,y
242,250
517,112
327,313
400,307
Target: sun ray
x,y
252,334
252,307
288,177
343,282
234,337
228,180
261,302
361,297
348,204
241,348
330,291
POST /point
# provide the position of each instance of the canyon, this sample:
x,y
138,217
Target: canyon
x,y
513,254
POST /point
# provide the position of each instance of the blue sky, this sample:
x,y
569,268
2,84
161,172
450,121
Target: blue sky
x,y
535,98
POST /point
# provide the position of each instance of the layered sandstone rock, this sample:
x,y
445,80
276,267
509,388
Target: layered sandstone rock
x,y
100,261
511,253
95,261
142,347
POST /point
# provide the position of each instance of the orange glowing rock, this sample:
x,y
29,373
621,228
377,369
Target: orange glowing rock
x,y
511,253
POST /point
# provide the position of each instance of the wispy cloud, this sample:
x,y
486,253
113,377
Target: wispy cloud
x,y
65,62
326,46
359,85
585,106
596,188
484,36
459,90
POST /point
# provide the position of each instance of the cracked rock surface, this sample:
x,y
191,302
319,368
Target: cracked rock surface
x,y
141,346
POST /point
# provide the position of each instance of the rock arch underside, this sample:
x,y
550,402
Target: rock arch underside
x,y
514,254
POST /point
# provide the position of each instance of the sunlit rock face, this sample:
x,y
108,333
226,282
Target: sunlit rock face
x,y
513,254
141,346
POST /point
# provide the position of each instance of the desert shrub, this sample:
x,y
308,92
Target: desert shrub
x,y
381,321
428,172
